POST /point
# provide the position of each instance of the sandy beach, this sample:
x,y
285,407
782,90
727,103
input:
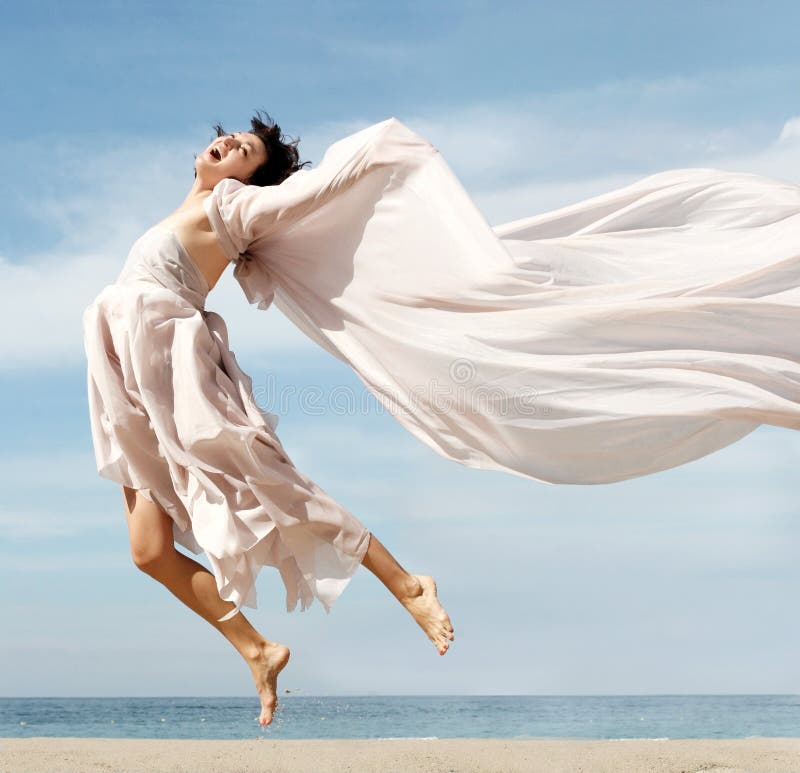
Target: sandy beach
x,y
753,755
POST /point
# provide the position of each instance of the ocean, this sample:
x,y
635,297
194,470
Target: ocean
x,y
481,716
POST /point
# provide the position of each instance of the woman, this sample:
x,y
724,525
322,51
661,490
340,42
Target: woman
x,y
617,337
174,421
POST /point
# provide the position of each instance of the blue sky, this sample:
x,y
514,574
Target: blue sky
x,y
682,582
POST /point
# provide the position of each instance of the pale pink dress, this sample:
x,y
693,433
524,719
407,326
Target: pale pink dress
x,y
173,415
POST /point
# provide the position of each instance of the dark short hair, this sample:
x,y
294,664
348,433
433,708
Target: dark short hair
x,y
283,158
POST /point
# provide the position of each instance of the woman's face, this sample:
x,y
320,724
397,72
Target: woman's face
x,y
231,155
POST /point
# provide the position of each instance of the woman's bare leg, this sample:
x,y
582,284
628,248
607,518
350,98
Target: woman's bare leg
x,y
416,592
153,551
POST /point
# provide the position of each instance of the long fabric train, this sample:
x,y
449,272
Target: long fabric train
x,y
625,334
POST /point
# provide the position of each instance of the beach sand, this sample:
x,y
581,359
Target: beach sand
x,y
754,755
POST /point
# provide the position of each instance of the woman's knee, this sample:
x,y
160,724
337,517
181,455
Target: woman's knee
x,y
152,558
151,538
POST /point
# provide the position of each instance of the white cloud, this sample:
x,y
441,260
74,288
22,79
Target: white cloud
x,y
42,305
790,131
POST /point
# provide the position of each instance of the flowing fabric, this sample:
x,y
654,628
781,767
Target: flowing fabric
x,y
623,335
173,416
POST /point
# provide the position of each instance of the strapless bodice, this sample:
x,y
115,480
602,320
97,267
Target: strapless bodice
x,y
158,256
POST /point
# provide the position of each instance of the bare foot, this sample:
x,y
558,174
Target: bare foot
x,y
266,664
425,608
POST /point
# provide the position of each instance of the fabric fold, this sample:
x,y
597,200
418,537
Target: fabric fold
x,y
626,334
173,416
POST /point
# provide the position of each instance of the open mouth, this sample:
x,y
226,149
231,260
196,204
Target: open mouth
x,y
215,153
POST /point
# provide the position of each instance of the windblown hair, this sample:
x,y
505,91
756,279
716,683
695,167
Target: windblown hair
x,y
283,158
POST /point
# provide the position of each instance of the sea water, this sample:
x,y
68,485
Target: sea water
x,y
600,717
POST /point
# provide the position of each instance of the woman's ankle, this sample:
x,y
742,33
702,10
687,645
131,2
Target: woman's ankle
x,y
411,588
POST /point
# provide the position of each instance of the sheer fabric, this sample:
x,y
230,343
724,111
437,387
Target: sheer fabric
x,y
173,415
625,334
